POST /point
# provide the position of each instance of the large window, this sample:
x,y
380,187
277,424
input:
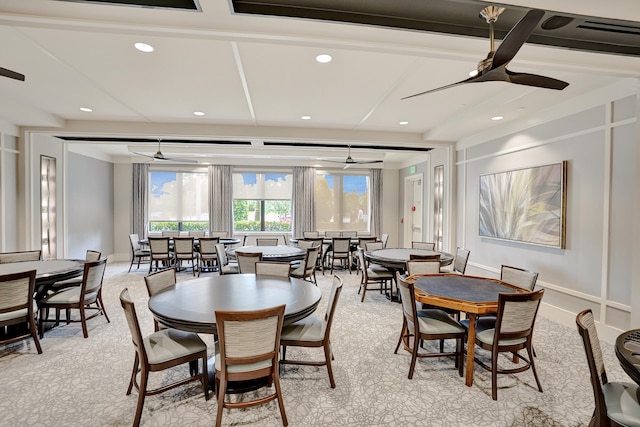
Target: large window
x,y
262,201
342,202
178,201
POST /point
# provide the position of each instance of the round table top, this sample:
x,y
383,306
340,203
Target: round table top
x,y
273,253
45,269
191,305
628,353
398,257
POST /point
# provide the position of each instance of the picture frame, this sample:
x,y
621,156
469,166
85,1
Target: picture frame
x,y
525,205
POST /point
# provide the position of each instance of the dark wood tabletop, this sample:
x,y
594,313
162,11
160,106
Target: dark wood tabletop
x,y
628,353
47,271
396,258
273,253
191,305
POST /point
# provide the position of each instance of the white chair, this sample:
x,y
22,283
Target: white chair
x,y
17,305
384,238
313,331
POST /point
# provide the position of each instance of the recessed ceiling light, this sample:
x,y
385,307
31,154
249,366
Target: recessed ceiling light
x,y
403,123
324,58
496,118
198,113
86,109
143,47
473,73
306,117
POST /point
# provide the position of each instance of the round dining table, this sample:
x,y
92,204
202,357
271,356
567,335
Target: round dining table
x,y
628,353
272,253
48,271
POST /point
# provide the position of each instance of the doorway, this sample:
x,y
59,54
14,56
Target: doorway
x,y
413,209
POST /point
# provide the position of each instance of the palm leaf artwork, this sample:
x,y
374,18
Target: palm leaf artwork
x,y
524,205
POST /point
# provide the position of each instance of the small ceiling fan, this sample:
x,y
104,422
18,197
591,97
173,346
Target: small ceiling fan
x,y
161,157
349,161
11,74
493,67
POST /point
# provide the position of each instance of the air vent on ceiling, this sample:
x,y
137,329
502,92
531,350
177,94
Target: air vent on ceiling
x,y
610,28
152,4
152,140
324,145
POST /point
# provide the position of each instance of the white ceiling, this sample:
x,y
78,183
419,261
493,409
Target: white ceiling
x,y
255,76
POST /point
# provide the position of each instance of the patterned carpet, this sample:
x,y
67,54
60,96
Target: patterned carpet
x,y
80,382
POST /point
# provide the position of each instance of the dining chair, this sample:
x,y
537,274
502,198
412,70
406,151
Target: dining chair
x,y
219,234
518,276
77,298
196,234
427,246
426,325
207,255
362,243
424,257
157,282
341,250
307,270
137,251
273,269
350,233
460,262
267,241
247,261
307,234
170,233
161,254
617,403
363,234
248,349
384,238
90,256
7,257
373,246
17,306
184,252
313,331
423,266
512,332
332,233
160,351
224,265
381,276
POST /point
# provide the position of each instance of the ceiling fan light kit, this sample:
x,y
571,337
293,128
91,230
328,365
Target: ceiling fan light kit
x,y
494,67
161,157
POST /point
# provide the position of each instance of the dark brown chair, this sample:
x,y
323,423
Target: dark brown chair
x,y
341,251
137,251
380,276
518,276
158,282
248,349
511,333
617,403
160,351
76,281
77,298
313,331
207,256
184,252
307,270
426,325
6,257
247,261
17,305
161,254
424,257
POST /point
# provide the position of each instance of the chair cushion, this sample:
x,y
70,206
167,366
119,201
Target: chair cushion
x,y
168,344
622,403
17,314
67,296
75,281
310,328
379,274
230,268
248,367
298,272
142,252
486,337
434,321
482,323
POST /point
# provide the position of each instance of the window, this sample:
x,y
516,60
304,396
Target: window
x,y
342,202
178,201
262,201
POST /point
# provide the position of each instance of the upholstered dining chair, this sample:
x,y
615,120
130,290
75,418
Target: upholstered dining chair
x,y
518,276
159,351
6,257
341,251
313,331
373,246
428,246
380,276
157,282
307,234
224,265
247,261
350,233
90,256
307,270
161,255
170,233
362,243
426,325
424,257
384,238
219,234
17,305
184,253
77,298
512,332
137,251
460,261
248,349
273,269
423,266
267,241
197,234
207,255
332,233
617,403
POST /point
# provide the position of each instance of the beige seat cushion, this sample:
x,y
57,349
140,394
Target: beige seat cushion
x,y
434,321
248,367
486,337
67,296
310,328
17,314
169,344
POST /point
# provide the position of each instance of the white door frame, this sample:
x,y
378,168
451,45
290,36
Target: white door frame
x,y
409,203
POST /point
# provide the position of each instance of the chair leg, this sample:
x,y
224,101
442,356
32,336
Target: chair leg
x,y
205,378
34,334
221,390
494,374
283,414
404,326
533,367
102,309
142,392
414,356
327,357
134,372
364,291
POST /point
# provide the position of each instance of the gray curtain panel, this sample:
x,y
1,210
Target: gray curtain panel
x,y
375,193
221,198
140,199
303,199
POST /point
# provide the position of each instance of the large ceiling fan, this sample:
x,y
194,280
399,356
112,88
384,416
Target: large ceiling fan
x,y
161,157
494,67
349,161
11,74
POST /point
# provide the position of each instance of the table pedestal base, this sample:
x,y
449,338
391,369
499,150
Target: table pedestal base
x,y
234,387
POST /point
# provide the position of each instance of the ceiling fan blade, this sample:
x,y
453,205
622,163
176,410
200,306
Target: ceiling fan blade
x,y
536,80
170,159
516,37
469,80
366,162
143,155
11,74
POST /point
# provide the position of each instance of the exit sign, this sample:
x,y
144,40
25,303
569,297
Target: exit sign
x,y
413,169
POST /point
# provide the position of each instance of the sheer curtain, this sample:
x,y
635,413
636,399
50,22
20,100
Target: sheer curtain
x,y
375,193
303,199
140,199
221,198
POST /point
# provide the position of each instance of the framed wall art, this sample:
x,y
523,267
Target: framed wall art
x,y
525,205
